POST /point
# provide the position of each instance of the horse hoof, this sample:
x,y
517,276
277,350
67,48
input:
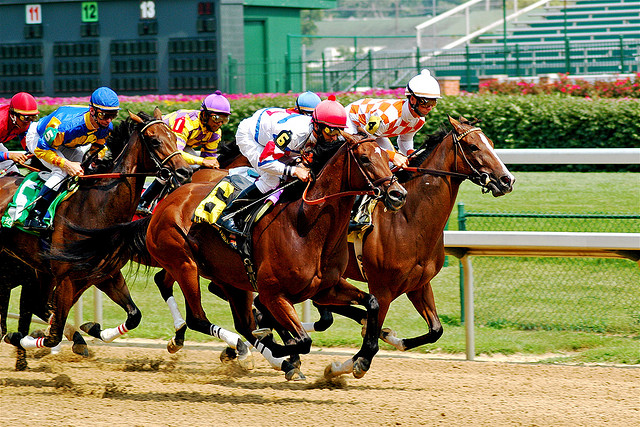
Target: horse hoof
x,y
295,361
38,333
387,332
92,329
245,357
330,371
360,367
228,355
262,333
13,338
295,375
173,347
80,349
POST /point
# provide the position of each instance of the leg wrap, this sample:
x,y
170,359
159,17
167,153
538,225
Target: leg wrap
x,y
178,321
111,334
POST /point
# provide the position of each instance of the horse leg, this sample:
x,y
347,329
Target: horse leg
x,y
245,323
286,316
116,289
345,293
265,320
165,282
185,271
424,302
63,298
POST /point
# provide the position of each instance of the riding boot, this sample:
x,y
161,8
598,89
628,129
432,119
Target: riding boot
x,y
360,216
35,219
246,197
153,190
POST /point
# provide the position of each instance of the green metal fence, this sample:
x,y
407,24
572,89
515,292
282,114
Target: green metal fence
x,y
557,293
390,69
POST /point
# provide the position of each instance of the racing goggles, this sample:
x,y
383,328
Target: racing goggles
x,y
106,115
30,118
331,131
426,102
217,118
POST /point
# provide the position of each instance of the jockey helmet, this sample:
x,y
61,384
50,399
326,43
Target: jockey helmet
x,y
330,113
423,86
307,102
216,103
24,103
104,98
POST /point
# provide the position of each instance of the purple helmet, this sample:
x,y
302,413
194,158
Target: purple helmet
x,y
216,103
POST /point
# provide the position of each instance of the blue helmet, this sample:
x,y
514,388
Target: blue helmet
x,y
307,102
105,99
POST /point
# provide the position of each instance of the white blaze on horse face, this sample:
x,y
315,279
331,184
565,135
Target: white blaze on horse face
x,y
485,141
378,150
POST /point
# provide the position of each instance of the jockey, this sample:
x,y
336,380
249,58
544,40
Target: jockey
x,y
61,139
272,140
15,119
385,118
306,103
195,129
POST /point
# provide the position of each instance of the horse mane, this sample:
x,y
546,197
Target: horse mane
x,y
315,158
227,151
116,141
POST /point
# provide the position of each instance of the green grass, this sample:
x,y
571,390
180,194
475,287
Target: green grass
x,y
593,315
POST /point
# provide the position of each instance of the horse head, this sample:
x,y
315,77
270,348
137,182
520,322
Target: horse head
x,y
476,157
373,162
161,145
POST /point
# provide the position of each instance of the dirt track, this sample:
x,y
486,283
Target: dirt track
x,y
131,385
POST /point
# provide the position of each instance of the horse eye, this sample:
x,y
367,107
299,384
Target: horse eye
x,y
365,160
473,147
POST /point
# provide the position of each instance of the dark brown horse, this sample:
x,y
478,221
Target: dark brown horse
x,y
299,252
100,201
402,253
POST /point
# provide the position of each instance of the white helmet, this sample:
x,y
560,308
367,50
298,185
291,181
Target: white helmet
x,y
424,86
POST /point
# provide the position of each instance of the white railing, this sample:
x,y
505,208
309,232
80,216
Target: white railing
x,y
463,244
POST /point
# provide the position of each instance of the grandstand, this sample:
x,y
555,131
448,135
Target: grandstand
x,y
579,37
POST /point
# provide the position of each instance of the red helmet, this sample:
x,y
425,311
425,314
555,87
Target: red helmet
x,y
330,113
24,103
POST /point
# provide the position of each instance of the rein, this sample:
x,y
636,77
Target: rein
x,y
476,177
375,185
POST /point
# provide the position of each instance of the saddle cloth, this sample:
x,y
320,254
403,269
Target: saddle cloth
x,y
24,200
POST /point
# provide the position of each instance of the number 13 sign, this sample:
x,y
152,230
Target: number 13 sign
x,y
34,13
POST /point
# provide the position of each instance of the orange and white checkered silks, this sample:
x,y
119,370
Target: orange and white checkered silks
x,y
396,119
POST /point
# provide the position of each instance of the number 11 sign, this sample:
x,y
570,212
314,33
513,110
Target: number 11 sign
x,y
34,13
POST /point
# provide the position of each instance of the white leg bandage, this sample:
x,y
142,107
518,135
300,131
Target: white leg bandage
x,y
178,321
111,334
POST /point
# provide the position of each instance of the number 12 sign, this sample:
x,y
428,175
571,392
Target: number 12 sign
x,y
34,13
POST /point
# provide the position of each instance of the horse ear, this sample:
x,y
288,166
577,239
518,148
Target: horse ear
x,y
454,122
135,117
351,139
157,114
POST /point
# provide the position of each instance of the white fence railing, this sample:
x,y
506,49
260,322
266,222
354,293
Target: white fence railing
x,y
463,244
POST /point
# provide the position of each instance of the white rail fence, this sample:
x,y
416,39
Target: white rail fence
x,y
464,244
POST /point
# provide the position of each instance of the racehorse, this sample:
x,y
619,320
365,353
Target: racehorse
x,y
100,200
299,252
402,253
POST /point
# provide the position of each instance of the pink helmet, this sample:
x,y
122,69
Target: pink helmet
x,y
24,103
216,103
330,113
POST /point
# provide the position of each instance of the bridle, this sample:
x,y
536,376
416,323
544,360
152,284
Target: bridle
x,y
480,178
374,186
163,172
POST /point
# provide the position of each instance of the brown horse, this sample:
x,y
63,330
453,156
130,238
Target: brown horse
x,y
402,253
299,252
100,200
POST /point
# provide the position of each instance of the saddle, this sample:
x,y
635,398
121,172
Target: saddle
x,y
24,200
211,210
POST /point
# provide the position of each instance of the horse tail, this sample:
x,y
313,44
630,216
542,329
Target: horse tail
x,y
104,250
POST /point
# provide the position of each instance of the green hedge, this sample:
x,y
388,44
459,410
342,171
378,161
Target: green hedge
x,y
533,121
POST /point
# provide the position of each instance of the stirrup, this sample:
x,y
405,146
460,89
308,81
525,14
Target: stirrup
x,y
35,224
